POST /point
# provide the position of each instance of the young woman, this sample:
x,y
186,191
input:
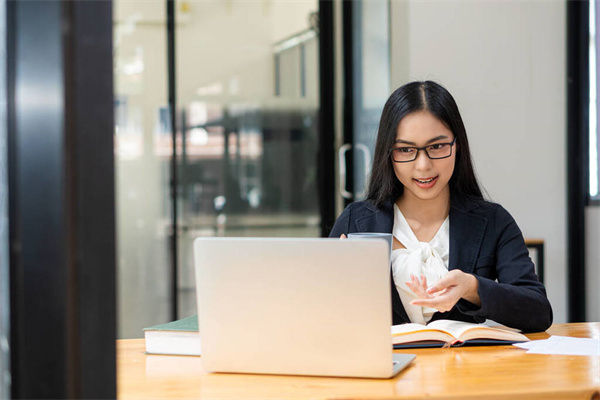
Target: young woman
x,y
455,255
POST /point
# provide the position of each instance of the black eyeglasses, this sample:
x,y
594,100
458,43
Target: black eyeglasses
x,y
433,151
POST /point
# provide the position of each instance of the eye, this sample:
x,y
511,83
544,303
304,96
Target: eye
x,y
405,150
438,146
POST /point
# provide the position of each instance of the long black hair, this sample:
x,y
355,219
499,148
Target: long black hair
x,y
429,96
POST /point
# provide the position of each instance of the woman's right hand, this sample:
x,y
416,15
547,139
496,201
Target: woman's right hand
x,y
342,236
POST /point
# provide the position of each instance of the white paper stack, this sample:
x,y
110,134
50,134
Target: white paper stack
x,y
563,345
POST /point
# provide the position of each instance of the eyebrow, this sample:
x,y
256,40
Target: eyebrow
x,y
435,139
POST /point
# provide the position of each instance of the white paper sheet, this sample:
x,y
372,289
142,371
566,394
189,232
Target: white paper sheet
x,y
563,345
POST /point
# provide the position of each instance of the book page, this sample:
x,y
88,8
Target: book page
x,y
466,331
455,328
408,328
406,333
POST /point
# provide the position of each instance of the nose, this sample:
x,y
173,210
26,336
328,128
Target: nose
x,y
423,162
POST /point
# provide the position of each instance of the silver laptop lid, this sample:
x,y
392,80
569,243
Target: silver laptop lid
x,y
294,306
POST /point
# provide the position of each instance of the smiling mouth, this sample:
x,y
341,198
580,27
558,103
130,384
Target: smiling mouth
x,y
427,180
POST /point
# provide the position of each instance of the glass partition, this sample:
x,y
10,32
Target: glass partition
x,y
247,104
248,95
371,83
142,156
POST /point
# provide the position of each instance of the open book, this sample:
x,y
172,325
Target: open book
x,y
446,332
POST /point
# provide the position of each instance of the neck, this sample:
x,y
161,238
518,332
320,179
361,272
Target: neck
x,y
425,210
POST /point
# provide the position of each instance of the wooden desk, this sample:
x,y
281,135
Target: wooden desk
x,y
493,372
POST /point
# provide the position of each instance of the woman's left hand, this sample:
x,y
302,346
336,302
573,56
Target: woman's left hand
x,y
446,292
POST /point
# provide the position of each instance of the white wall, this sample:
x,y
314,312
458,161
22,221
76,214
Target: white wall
x,y
504,62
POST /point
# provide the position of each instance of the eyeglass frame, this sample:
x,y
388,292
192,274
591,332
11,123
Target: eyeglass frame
x,y
424,148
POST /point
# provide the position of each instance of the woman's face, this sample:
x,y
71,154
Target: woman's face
x,y
424,178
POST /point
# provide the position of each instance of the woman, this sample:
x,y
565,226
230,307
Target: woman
x,y
455,255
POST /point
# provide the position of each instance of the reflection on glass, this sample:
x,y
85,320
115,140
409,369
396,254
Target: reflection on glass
x,y
142,155
247,84
371,84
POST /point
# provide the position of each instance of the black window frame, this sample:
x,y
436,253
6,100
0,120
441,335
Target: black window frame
x,y
594,13
61,199
578,103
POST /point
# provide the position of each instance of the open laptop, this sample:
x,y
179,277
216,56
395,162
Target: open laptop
x,y
296,306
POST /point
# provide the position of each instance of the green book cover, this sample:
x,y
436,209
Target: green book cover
x,y
179,337
185,324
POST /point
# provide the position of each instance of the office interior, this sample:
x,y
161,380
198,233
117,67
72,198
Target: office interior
x,y
231,118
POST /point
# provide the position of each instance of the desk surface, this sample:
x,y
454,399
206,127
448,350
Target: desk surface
x,y
496,372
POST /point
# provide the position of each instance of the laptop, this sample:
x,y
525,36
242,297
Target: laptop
x,y
296,306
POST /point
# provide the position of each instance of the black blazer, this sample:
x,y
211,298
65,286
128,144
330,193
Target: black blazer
x,y
484,241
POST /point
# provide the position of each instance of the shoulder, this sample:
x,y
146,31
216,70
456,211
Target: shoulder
x,y
359,208
367,209
370,207
479,207
493,213
352,214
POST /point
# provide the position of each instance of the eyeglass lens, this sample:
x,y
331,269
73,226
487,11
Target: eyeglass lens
x,y
436,151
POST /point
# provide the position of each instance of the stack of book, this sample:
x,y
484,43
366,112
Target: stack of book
x,y
181,337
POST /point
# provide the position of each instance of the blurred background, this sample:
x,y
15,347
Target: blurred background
x,y
132,127
247,114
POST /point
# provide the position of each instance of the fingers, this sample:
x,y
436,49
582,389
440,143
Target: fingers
x,y
444,294
449,280
436,288
423,281
417,282
443,302
439,303
342,236
418,286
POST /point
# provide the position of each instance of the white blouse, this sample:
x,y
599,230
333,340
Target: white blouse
x,y
418,258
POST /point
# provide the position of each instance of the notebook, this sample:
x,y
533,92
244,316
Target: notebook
x,y
296,306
